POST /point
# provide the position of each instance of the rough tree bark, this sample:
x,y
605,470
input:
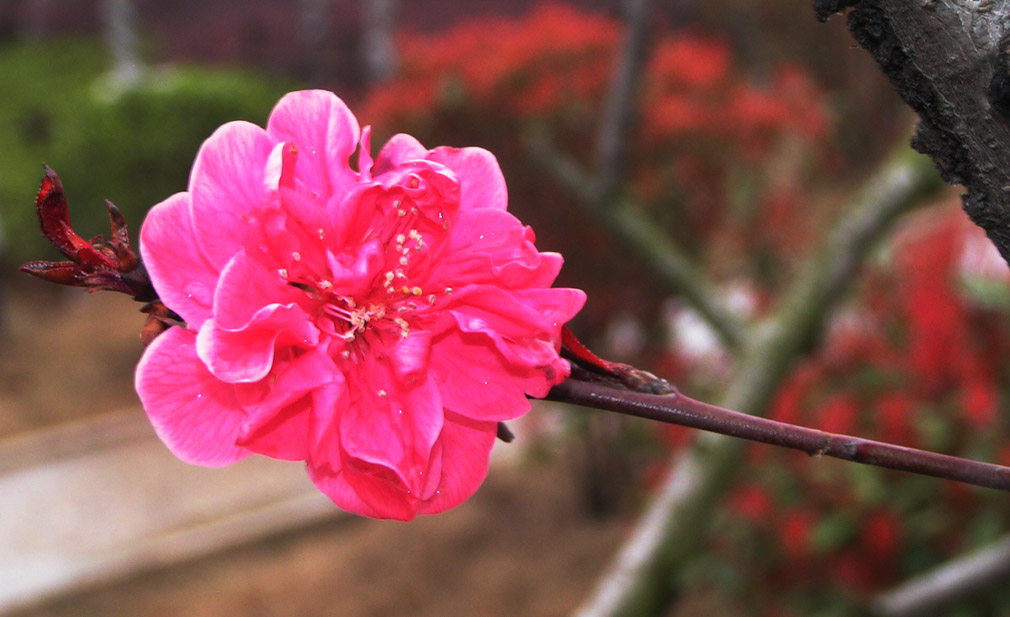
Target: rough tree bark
x,y
950,61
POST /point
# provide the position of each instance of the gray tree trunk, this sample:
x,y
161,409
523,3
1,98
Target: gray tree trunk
x,y
377,46
950,61
119,19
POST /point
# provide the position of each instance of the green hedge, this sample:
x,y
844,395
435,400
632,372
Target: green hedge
x,y
133,146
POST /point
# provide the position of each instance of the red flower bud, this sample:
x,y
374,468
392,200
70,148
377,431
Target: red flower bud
x,y
98,264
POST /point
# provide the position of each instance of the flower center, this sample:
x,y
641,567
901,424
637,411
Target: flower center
x,y
367,298
355,318
359,325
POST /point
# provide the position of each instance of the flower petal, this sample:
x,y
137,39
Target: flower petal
x,y
389,424
401,148
247,355
359,493
227,187
245,288
525,325
480,176
476,381
196,415
467,444
492,246
277,424
183,278
353,271
409,357
326,134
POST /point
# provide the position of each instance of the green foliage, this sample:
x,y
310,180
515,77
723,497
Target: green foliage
x,y
43,87
132,145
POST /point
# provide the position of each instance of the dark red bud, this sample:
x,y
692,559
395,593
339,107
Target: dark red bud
x,y
582,354
59,272
628,376
54,215
120,244
96,264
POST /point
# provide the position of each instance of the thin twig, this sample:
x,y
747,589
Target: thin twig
x,y
684,411
932,592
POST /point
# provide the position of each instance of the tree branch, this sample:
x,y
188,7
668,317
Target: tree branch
x,y
948,60
640,579
675,408
599,192
633,226
903,182
961,578
619,108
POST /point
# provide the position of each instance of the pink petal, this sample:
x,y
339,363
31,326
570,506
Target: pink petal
x,y
401,148
196,415
245,288
352,216
480,177
409,357
227,187
278,424
183,278
359,493
390,425
297,201
476,381
466,451
326,134
525,325
491,246
280,168
433,477
365,161
308,215
353,271
247,355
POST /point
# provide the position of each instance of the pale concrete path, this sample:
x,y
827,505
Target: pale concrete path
x,y
93,501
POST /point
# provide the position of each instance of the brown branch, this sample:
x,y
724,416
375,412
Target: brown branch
x,y
681,410
948,60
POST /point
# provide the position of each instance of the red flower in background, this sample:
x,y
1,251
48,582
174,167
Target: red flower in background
x,y
794,533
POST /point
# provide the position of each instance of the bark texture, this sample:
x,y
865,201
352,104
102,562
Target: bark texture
x,y
949,61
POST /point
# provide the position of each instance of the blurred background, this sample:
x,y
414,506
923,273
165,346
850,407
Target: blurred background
x,y
755,134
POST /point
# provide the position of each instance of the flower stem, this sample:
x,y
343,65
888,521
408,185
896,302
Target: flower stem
x,y
681,410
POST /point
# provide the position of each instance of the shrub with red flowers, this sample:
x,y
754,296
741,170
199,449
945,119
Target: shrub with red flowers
x,y
729,149
918,358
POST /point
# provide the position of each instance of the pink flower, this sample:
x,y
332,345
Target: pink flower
x,y
376,324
